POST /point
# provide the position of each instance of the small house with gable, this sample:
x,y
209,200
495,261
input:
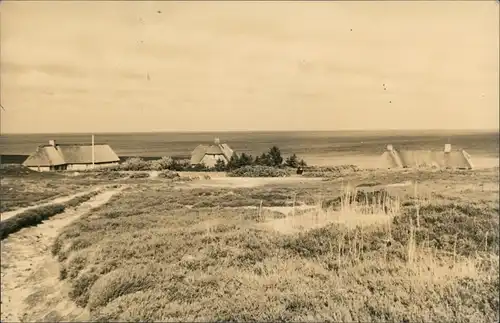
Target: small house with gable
x,y
209,154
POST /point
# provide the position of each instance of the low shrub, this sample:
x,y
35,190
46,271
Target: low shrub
x,y
29,218
168,254
38,215
108,173
80,199
168,174
258,171
162,163
113,168
335,171
139,175
465,229
135,164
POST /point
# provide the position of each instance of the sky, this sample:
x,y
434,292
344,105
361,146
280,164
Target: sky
x,y
124,66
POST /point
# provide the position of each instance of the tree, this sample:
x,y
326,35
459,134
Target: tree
x,y
233,162
263,160
245,160
292,161
302,163
220,165
238,161
275,156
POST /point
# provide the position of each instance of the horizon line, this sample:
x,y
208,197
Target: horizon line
x,y
254,131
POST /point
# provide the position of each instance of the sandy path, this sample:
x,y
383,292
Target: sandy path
x,y
31,289
63,199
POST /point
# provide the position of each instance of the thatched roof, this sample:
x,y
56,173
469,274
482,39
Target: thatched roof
x,y
48,155
215,150
427,158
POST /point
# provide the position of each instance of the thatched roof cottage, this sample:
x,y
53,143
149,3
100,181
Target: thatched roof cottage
x,y
71,157
446,158
209,154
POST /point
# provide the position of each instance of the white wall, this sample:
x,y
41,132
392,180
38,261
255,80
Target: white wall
x,y
73,167
40,169
89,166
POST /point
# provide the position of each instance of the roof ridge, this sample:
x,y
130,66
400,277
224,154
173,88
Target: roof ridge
x,y
436,150
66,145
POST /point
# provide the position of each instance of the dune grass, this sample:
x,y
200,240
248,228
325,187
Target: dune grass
x,y
159,253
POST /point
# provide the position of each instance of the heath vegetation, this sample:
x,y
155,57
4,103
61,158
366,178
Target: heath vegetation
x,y
162,252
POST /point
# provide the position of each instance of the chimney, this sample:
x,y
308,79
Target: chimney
x,y
390,148
447,148
217,141
52,143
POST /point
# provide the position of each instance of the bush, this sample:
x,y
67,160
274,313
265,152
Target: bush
x,y
292,161
135,164
168,174
245,160
263,160
220,165
107,169
272,158
179,166
79,199
162,163
109,175
258,171
240,161
341,170
197,168
139,175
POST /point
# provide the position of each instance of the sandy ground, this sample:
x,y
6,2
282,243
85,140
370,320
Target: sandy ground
x,y
300,223
249,181
6,215
31,289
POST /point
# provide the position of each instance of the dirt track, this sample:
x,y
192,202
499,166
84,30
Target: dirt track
x,y
31,289
6,215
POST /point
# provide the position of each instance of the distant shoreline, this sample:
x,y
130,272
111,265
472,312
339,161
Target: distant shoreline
x,y
314,147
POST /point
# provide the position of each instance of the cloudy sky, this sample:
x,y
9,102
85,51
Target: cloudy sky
x,y
199,66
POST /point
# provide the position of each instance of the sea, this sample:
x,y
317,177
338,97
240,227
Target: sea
x,y
321,148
